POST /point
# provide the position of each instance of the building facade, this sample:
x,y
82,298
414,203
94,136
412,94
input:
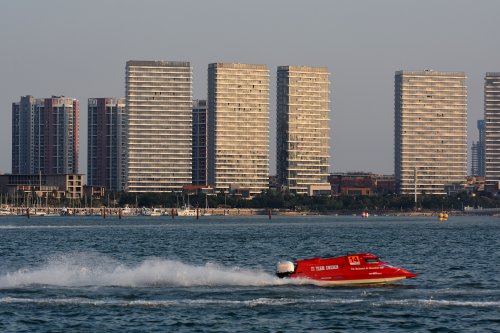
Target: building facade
x,y
474,168
430,131
199,142
303,107
45,135
43,186
359,183
106,139
478,152
238,127
492,130
159,125
25,114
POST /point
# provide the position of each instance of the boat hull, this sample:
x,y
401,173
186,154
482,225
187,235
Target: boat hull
x,y
358,282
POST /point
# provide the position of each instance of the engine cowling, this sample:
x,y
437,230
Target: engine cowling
x,y
285,268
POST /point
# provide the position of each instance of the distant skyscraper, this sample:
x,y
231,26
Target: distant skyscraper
x,y
492,130
45,135
474,169
199,142
477,150
238,126
159,125
303,107
106,140
430,130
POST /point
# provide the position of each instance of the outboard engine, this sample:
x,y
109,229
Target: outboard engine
x,y
285,269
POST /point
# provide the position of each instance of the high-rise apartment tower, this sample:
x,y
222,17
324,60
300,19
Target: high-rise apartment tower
x,y
199,142
303,107
238,126
492,130
106,139
477,152
45,135
159,126
430,131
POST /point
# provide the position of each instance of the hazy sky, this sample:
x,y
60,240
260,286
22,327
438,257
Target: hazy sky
x,y
79,49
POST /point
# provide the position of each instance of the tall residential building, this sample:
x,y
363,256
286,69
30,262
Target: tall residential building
x,y
477,152
430,131
238,126
24,114
303,107
492,130
474,169
45,135
199,142
159,113
106,140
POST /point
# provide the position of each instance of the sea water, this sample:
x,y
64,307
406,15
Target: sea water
x,y
216,274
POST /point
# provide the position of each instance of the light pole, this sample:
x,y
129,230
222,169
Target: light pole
x,y
415,185
225,196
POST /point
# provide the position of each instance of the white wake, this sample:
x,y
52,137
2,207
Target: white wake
x,y
77,270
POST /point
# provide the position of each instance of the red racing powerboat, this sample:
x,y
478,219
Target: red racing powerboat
x,y
352,269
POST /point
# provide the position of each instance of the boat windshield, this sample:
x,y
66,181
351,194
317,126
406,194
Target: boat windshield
x,y
372,260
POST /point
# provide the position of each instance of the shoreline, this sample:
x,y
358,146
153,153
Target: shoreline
x,y
126,212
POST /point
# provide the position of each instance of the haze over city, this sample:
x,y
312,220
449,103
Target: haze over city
x,y
79,49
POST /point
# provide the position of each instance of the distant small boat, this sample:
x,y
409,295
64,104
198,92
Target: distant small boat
x,y
186,211
156,212
145,211
151,212
127,211
36,212
365,215
5,212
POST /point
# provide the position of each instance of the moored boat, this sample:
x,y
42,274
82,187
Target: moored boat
x,y
156,212
146,211
186,211
352,269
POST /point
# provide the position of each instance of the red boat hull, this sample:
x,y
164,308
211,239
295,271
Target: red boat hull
x,y
353,269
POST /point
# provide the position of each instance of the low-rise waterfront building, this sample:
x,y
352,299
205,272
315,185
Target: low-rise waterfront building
x,y
361,183
42,185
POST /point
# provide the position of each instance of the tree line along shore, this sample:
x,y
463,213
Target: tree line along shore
x,y
279,203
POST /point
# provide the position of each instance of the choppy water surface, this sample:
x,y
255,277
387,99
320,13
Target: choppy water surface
x,y
216,274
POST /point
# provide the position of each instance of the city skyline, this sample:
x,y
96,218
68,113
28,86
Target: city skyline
x,y
92,123
357,42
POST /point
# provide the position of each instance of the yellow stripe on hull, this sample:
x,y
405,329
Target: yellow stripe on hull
x,y
325,283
